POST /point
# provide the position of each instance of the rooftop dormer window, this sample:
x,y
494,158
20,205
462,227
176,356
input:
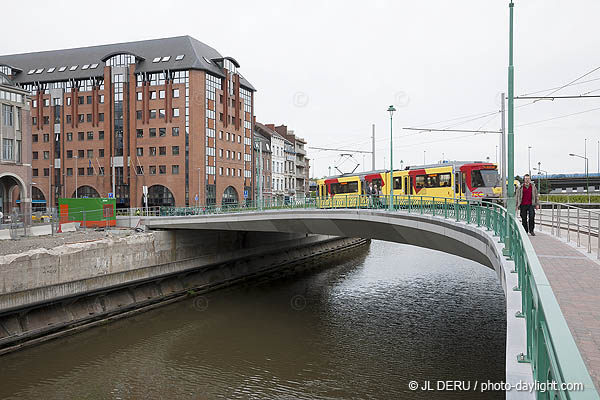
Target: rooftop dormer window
x,y
62,69
31,71
180,57
94,66
156,59
73,68
166,58
86,66
39,70
51,70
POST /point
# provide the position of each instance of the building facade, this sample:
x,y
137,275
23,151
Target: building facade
x,y
170,114
263,163
15,140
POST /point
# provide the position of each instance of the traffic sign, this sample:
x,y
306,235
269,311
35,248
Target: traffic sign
x,y
110,195
245,194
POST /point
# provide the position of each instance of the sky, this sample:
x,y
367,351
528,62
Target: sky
x,y
329,70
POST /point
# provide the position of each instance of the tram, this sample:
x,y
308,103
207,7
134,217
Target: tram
x,y
468,180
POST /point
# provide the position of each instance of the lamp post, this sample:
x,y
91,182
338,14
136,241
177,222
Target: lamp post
x,y
511,122
260,161
424,152
76,173
391,110
529,159
587,183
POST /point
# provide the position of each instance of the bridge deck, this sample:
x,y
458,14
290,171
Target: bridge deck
x,y
575,281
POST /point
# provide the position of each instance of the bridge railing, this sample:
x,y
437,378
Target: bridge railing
x,y
551,349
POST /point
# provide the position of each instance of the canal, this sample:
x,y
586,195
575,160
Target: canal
x,y
363,328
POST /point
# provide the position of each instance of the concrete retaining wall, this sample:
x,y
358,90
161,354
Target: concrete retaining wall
x,y
44,291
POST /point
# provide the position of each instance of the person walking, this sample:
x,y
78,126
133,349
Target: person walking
x,y
528,201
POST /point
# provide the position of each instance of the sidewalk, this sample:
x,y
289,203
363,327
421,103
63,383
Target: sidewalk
x,y
575,280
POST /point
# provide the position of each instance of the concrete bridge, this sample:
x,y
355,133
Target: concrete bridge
x,y
539,345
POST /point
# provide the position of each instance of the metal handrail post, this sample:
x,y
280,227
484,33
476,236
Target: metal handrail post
x,y
578,229
589,232
552,221
568,225
558,220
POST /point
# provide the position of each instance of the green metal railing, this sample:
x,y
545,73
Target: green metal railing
x,y
551,349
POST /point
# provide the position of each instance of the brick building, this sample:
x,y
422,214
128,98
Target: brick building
x,y
171,114
262,161
15,142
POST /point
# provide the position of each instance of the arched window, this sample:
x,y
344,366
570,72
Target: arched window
x,y
161,196
38,201
230,197
86,192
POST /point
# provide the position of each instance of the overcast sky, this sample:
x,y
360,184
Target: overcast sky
x,y
328,70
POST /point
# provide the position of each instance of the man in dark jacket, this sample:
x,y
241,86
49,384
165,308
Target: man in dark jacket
x,y
528,202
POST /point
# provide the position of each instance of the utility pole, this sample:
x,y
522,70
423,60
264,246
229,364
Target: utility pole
x,y
503,147
529,159
391,110
511,112
373,149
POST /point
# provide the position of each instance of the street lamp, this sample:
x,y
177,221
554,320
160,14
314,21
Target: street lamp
x,y
529,159
76,173
391,110
260,161
587,183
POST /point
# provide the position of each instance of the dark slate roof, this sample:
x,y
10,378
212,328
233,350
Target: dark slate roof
x,y
197,55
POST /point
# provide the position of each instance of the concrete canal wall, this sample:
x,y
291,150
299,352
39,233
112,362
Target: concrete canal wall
x,y
43,292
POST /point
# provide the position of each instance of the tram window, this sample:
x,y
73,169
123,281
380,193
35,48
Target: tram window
x,y
456,183
420,181
397,183
432,181
463,182
445,180
344,187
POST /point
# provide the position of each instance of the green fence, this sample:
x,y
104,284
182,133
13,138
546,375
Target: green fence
x,y
551,349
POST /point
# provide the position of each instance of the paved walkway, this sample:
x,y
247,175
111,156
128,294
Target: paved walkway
x,y
575,280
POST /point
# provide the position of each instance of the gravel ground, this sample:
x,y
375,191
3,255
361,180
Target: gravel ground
x,y
23,244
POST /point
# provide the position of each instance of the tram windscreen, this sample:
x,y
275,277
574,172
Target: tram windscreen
x,y
484,178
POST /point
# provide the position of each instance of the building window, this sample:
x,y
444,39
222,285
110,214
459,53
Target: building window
x,y
162,169
101,117
69,136
139,170
68,119
175,150
101,171
69,171
89,99
175,93
33,120
100,135
35,172
81,118
80,171
162,132
68,101
175,169
227,154
80,136
90,153
152,114
140,151
89,118
153,95
46,171
161,94
69,153
7,149
221,117
152,132
90,171
220,134
35,155
90,136
101,99
139,96
221,153
46,120
46,155
46,102
176,112
162,151
46,137
138,115
175,131
80,100
221,171
161,114
152,170
100,153
152,151
139,133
